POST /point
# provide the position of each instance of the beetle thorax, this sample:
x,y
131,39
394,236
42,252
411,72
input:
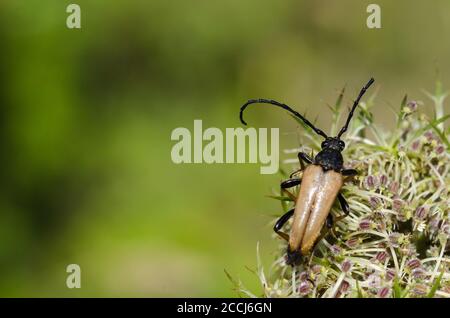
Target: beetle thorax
x,y
330,157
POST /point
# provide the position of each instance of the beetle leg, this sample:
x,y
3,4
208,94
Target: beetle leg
x,y
330,224
349,172
344,204
302,158
294,173
289,184
281,221
329,221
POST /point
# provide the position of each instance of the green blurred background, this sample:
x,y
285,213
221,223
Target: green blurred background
x,y
86,118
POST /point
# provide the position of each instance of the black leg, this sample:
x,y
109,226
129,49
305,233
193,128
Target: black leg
x,y
349,172
330,225
305,157
344,204
281,221
329,221
302,158
290,183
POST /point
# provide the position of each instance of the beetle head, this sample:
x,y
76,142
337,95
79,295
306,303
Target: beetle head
x,y
333,143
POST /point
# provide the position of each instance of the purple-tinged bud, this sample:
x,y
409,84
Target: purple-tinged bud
x,y
302,276
433,224
336,250
397,204
420,289
412,106
365,224
375,202
390,274
421,212
371,182
395,238
415,145
384,292
413,264
304,288
383,180
381,256
353,242
430,136
346,266
418,273
344,287
393,187
440,149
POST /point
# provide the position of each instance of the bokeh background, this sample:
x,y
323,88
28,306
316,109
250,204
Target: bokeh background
x,y
86,117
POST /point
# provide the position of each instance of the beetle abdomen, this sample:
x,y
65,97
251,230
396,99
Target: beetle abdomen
x,y
311,180
326,195
318,191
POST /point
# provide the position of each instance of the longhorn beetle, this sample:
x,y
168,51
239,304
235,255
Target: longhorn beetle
x,y
320,185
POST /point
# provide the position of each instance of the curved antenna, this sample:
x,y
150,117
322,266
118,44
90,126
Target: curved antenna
x,y
284,106
355,104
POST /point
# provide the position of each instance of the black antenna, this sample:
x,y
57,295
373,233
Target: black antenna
x,y
355,104
284,106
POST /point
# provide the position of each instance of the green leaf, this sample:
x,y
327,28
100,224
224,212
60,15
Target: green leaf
x,y
358,288
443,137
236,284
365,116
436,285
280,198
338,103
403,103
437,121
400,114
397,289
336,111
433,125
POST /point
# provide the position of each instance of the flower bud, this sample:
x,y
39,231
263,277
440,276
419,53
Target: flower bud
x,y
346,266
304,288
421,213
384,292
365,224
